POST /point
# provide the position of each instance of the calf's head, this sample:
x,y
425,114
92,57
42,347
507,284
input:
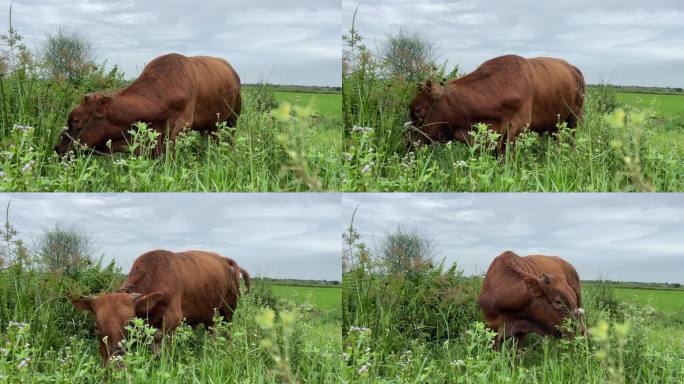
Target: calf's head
x,y
557,294
90,124
113,311
427,123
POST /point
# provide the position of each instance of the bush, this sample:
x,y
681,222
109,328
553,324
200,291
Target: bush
x,y
264,97
67,56
605,98
432,304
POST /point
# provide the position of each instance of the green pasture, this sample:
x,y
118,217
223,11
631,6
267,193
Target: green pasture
x,y
323,298
666,301
667,105
326,104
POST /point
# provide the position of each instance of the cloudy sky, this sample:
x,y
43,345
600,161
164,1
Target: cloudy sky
x,y
266,40
630,42
628,237
277,235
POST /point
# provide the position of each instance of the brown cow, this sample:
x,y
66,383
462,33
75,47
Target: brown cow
x,y
509,93
172,93
530,294
165,288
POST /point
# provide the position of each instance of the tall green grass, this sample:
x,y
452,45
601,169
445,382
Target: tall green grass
x,y
265,154
273,338
598,156
44,339
424,326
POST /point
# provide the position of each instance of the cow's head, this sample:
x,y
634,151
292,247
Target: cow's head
x,y
113,311
558,295
90,124
427,122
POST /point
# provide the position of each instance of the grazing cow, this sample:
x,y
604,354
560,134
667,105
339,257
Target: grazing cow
x,y
530,294
172,93
165,288
509,93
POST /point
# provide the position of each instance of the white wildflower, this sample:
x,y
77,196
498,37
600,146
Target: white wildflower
x,y
358,329
358,128
367,167
364,368
457,363
23,363
27,166
19,127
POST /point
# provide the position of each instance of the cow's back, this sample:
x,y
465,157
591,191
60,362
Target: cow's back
x,y
198,281
541,91
503,288
203,85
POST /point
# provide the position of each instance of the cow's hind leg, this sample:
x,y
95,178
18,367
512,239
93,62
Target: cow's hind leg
x,y
228,309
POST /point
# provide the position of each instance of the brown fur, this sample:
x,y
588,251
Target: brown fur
x,y
172,93
529,294
508,93
165,288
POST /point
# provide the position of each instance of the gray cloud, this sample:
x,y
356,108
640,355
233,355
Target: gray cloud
x,y
629,237
270,234
294,43
622,42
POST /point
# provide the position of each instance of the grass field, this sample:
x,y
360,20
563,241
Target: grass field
x,y
634,344
286,149
43,339
639,150
325,104
423,325
279,333
665,301
323,298
671,105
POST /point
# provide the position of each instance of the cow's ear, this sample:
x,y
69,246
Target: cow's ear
x,y
428,86
84,303
144,304
533,285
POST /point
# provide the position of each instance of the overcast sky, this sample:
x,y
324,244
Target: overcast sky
x,y
629,42
266,40
628,237
269,234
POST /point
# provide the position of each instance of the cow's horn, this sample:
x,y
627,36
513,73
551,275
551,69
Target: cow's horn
x,y
135,296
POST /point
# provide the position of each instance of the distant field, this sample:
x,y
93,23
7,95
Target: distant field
x,y
324,298
325,104
662,300
667,105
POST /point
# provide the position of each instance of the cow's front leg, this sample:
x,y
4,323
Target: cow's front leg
x,y
510,130
157,342
171,321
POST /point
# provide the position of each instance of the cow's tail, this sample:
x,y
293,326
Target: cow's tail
x,y
581,87
237,270
247,278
